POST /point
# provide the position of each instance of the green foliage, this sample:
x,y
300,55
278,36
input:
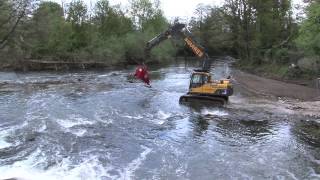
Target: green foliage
x,y
13,13
106,50
134,45
144,10
47,34
256,31
156,24
281,55
153,26
258,26
5,12
111,21
77,12
164,52
213,30
77,16
107,35
309,35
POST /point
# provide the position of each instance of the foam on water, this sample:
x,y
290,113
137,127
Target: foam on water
x,y
113,73
3,142
74,120
99,118
22,169
133,117
43,127
181,129
313,174
292,175
211,112
162,115
128,172
79,132
90,168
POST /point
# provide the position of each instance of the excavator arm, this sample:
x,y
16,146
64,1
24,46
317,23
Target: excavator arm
x,y
174,30
180,31
202,86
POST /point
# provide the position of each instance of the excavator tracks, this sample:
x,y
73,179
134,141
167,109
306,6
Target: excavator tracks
x,y
214,100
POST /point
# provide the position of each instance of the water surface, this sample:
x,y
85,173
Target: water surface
x,y
98,125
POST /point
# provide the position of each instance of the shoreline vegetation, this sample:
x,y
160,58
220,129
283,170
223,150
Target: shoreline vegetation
x,y
266,36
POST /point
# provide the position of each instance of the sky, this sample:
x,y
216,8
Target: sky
x,y
172,8
177,8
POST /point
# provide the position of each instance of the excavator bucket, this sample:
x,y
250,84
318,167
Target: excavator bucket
x,y
142,74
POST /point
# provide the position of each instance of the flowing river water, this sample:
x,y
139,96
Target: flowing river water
x,y
98,125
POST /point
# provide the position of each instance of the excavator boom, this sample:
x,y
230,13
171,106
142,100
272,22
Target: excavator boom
x,y
179,30
202,86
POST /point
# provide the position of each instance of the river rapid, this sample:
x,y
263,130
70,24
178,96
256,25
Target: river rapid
x,y
98,125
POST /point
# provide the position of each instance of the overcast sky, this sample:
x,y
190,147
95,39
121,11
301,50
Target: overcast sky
x,y
177,8
173,8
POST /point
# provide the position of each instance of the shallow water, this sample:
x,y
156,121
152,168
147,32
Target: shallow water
x,y
97,125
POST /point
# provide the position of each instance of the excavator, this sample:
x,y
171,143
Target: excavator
x,y
202,85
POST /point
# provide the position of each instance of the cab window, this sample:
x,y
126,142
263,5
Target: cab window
x,y
197,79
205,79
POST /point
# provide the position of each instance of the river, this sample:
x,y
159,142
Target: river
x,y
98,125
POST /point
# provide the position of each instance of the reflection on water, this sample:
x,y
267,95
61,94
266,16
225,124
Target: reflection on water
x,y
98,125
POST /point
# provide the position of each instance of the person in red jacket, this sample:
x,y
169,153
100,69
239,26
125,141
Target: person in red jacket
x,y
142,74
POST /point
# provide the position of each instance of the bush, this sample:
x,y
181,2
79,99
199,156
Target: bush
x,y
134,44
281,56
309,36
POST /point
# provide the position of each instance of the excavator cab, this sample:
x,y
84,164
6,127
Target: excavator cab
x,y
198,79
202,87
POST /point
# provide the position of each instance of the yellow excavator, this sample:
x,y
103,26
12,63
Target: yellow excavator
x,y
202,85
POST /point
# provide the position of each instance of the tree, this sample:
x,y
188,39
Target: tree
x,y
202,12
77,16
11,15
144,10
217,36
77,13
309,36
111,21
48,32
258,26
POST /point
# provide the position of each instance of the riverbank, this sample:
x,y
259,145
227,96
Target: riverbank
x,y
47,65
265,86
301,100
281,72
64,65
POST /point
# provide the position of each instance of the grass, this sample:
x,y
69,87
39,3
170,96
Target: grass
x,y
276,71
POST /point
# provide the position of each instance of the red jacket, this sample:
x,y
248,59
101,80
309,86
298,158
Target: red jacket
x,y
142,73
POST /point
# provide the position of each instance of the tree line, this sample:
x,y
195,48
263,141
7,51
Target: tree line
x,y
73,32
261,33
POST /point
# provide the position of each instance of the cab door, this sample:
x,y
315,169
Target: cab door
x,y
196,83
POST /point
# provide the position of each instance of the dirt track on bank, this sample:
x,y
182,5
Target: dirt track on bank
x,y
300,99
275,88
